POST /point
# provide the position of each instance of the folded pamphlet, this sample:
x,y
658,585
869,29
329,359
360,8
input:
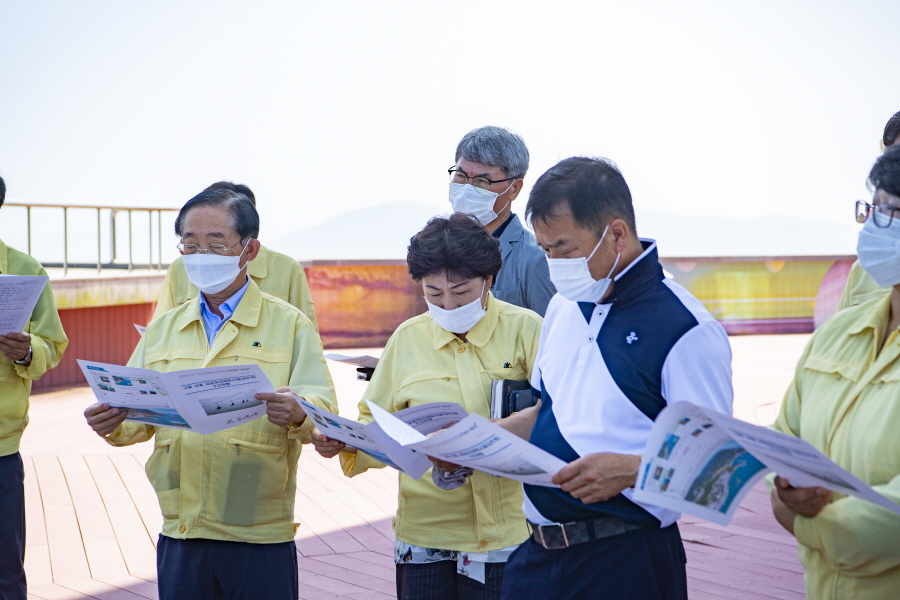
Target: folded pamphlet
x,y
477,443
702,462
371,438
200,400
18,296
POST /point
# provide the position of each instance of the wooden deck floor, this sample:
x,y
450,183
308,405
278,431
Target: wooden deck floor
x,y
93,520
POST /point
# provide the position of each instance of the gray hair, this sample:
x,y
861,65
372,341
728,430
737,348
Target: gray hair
x,y
495,147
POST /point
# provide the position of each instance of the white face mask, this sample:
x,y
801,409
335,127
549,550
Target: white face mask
x,y
468,199
212,273
878,250
572,276
460,319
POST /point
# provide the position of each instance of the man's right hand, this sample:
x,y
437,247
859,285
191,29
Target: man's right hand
x,y
328,447
103,419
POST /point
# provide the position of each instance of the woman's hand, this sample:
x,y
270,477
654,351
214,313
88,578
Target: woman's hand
x,y
328,447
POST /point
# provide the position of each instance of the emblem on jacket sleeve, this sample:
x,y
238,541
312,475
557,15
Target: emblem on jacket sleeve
x,y
632,337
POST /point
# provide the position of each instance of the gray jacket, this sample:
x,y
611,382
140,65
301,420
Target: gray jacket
x,y
524,279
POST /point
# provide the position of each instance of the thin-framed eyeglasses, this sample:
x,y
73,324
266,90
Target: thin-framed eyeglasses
x,y
459,176
882,212
210,249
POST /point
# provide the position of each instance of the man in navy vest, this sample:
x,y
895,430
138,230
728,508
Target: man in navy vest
x,y
620,341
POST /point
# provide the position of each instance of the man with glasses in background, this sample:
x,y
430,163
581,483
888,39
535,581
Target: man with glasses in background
x,y
24,357
860,286
491,163
276,274
227,498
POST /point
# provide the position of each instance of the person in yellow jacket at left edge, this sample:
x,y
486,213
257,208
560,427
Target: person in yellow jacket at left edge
x,y
24,357
227,498
275,273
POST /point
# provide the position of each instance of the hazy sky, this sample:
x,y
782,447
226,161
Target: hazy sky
x,y
710,108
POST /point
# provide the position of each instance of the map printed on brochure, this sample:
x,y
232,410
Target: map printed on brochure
x,y
18,296
372,439
200,400
702,462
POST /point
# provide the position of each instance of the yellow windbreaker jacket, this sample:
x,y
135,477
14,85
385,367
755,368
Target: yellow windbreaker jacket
x,y
860,288
845,401
424,363
238,484
48,341
276,274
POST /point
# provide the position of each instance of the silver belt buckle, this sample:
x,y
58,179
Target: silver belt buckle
x,y
549,526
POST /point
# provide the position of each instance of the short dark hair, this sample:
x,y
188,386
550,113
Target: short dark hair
x,y
240,188
2,191
592,188
891,130
456,246
885,174
244,218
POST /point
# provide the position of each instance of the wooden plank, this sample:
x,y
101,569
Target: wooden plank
x,y
68,558
131,471
385,572
101,547
38,570
314,518
134,542
347,576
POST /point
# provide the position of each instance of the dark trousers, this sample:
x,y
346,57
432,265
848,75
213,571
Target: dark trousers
x,y
12,528
647,564
215,570
440,581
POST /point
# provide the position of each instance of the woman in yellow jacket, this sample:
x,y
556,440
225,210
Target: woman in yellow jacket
x,y
451,543
845,400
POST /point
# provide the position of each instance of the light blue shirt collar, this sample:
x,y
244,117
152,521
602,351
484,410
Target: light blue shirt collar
x,y
212,322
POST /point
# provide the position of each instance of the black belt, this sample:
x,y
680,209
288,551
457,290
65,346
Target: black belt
x,y
554,536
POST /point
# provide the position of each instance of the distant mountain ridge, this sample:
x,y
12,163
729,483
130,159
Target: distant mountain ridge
x,y
383,232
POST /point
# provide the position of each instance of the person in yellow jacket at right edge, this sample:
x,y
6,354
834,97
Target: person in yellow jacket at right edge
x,y
860,287
845,401
24,357
275,273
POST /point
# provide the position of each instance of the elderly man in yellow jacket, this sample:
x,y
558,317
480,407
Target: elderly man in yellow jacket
x,y
24,357
276,274
227,498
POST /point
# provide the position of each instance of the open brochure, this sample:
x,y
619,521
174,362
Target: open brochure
x,y
18,296
477,443
200,400
371,439
702,462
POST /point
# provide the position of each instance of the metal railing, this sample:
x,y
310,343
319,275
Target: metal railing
x,y
114,262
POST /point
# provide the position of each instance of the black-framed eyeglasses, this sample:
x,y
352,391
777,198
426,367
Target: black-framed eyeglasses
x,y
210,249
882,212
459,176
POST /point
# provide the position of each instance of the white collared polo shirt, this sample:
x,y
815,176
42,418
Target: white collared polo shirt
x,y
605,371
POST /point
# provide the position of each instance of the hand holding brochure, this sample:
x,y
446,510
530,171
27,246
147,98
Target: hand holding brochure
x,y
703,463
477,443
18,296
200,400
374,441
